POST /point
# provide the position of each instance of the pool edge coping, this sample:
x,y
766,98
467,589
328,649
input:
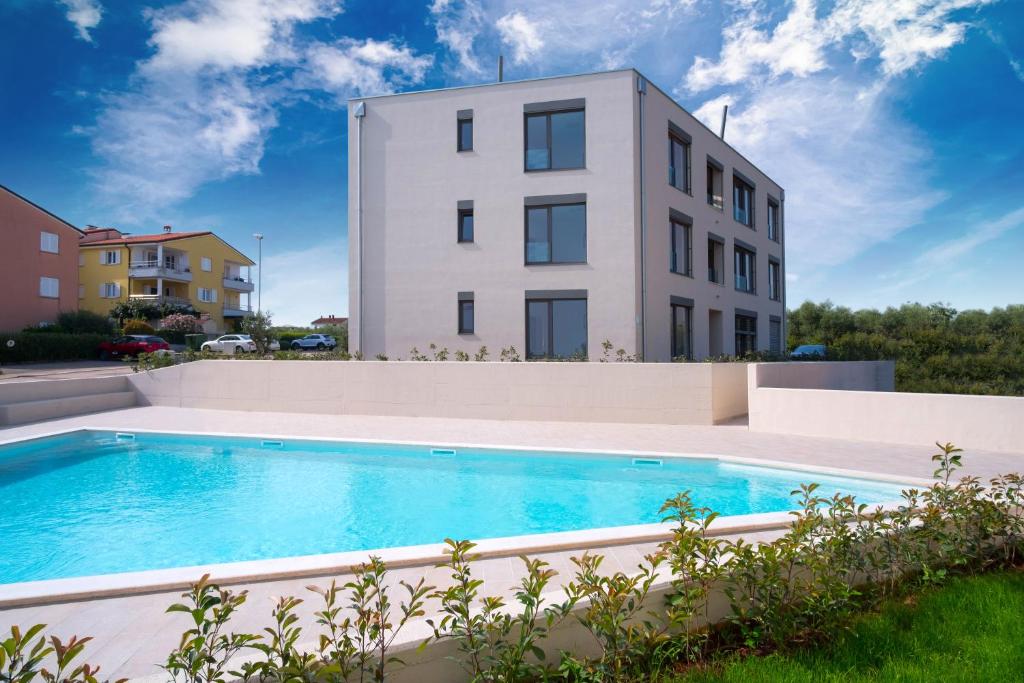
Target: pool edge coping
x,y
72,589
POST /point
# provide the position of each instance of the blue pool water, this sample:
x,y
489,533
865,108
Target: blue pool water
x,y
89,503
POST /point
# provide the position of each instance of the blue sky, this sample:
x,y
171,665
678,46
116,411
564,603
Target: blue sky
x,y
896,127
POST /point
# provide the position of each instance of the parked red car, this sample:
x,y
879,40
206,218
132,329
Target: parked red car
x,y
132,345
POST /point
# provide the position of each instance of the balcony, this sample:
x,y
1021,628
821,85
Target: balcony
x,y
160,299
237,283
236,310
153,269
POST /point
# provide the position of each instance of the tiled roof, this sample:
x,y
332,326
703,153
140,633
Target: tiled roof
x,y
330,319
146,239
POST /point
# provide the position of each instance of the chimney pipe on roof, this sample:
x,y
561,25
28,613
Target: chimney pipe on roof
x,y
167,228
501,68
725,112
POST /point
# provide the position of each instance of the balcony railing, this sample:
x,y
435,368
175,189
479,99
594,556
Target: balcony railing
x,y
237,310
238,283
152,268
161,299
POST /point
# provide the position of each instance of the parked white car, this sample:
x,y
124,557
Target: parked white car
x,y
230,344
315,341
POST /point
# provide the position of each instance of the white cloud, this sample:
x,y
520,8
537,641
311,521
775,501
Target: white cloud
x,y
457,25
853,173
522,35
902,33
85,15
304,284
369,67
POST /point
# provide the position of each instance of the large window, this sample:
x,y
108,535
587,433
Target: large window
x,y
773,221
465,225
746,334
681,259
555,140
467,323
678,163
49,242
110,290
681,332
742,201
744,268
110,257
774,288
556,233
465,133
207,295
556,328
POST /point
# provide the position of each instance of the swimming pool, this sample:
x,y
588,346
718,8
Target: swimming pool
x,y
96,502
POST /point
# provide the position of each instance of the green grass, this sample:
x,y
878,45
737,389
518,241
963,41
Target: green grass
x,y
970,630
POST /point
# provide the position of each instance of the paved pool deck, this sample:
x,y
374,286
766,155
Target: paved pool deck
x,y
132,634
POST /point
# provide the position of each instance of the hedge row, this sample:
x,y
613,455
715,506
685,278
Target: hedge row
x,y
49,346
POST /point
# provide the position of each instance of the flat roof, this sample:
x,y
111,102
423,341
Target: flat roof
x,y
578,75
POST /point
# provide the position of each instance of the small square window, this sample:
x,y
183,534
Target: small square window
x,y
466,225
206,263
467,323
49,242
49,287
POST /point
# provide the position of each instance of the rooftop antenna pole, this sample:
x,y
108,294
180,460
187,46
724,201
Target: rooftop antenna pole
x,y
725,112
501,68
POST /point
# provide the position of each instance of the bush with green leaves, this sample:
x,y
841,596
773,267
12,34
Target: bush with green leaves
x,y
148,310
84,322
49,346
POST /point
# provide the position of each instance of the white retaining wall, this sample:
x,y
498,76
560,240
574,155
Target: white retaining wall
x,y
665,393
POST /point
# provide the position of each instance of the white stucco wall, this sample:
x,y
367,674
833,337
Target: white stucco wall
x,y
677,393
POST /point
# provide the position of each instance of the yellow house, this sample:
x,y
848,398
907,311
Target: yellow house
x,y
185,268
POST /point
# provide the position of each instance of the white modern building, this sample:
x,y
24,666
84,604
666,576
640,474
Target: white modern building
x,y
553,215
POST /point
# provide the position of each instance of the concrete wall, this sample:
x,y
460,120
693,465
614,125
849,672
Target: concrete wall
x,y
680,393
875,412
23,263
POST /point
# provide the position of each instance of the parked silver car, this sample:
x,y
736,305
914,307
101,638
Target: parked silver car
x,y
319,342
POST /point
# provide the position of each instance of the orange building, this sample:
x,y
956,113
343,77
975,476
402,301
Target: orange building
x,y
38,263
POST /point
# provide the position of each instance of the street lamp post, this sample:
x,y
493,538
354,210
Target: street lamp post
x,y
259,271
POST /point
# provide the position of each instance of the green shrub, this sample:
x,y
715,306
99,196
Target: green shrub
x,y
84,322
137,326
49,346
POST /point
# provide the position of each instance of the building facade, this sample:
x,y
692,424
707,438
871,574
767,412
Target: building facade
x,y
38,264
196,269
556,215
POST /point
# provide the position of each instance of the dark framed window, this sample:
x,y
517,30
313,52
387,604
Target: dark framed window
x,y
681,249
774,285
556,328
556,233
773,221
678,163
716,261
744,269
746,334
466,316
714,186
775,335
465,225
682,332
465,134
555,140
742,201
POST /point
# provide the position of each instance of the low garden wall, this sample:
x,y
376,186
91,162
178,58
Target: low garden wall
x,y
665,393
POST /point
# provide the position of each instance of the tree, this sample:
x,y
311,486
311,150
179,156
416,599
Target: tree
x,y
258,327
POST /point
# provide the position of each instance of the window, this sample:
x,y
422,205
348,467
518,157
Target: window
x,y
110,258
465,225
556,233
555,140
466,315
681,260
681,331
49,242
81,260
678,163
465,132
715,185
81,291
110,290
716,261
556,328
207,295
49,287
742,201
206,263
774,290
746,334
744,269
775,335
773,221
170,261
